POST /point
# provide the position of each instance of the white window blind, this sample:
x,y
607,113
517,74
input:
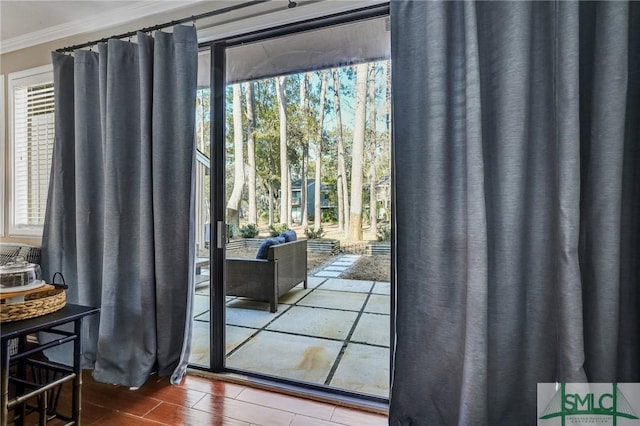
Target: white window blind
x,y
32,148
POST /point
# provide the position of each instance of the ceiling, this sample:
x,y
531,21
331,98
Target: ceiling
x,y
25,23
19,18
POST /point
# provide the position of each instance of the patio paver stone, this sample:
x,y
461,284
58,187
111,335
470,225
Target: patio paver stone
x,y
331,274
327,299
343,263
382,288
318,322
336,268
378,304
302,358
355,286
372,329
356,370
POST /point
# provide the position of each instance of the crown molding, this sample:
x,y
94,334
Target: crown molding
x,y
104,20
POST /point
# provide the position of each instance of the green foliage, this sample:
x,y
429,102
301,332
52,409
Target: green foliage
x,y
263,212
384,233
312,234
278,229
249,230
330,215
232,230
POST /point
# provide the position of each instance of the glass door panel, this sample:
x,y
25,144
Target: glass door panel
x,y
307,142
200,347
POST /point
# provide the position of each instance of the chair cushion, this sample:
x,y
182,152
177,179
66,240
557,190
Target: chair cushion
x,y
263,250
289,235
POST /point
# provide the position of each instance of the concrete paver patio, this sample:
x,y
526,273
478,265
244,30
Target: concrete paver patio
x,y
334,333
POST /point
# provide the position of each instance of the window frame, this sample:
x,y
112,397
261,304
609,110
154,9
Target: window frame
x,y
32,76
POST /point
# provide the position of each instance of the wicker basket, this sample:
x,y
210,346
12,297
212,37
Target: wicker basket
x,y
35,304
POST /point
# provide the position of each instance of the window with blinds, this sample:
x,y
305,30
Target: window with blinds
x,y
32,139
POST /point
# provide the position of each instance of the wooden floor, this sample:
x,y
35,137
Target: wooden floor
x,y
203,401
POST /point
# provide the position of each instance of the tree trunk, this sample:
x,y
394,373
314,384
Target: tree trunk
x,y
233,205
285,186
271,203
343,184
289,200
387,200
373,161
251,155
357,153
304,101
317,217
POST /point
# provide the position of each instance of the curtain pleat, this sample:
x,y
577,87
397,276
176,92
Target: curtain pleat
x,y
119,226
604,80
515,252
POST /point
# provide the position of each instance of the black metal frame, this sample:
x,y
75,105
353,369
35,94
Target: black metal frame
x,y
46,377
217,307
217,176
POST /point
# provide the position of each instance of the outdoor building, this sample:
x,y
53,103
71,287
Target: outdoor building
x,y
327,193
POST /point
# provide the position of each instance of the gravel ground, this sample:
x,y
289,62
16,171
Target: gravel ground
x,y
373,268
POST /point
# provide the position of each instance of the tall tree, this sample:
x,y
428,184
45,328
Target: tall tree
x,y
373,158
387,200
304,104
317,217
267,141
285,186
233,205
357,153
342,184
251,154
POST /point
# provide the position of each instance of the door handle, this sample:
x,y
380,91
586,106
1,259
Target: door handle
x,y
220,233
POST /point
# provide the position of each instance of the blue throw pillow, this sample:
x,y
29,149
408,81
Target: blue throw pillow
x,y
289,235
263,250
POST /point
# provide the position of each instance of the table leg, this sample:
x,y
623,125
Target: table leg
x,y
5,381
77,369
42,407
21,409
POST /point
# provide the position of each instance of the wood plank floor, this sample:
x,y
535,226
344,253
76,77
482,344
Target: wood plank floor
x,y
203,401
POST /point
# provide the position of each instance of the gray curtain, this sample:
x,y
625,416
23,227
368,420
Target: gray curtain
x,y
119,214
517,204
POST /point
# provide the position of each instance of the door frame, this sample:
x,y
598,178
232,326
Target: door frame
x,y
218,202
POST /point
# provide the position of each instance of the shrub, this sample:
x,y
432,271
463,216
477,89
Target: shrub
x,y
249,231
278,229
329,215
384,233
312,234
232,230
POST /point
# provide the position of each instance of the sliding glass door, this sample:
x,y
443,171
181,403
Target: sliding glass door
x,y
299,288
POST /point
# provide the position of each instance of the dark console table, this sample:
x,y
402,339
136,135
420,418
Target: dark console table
x,y
28,387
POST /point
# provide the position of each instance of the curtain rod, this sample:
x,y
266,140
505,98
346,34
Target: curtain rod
x,y
192,18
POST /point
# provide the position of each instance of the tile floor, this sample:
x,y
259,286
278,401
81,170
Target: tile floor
x,y
200,401
334,333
